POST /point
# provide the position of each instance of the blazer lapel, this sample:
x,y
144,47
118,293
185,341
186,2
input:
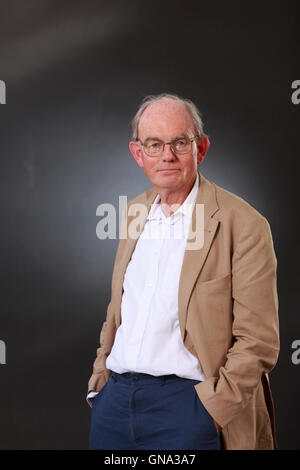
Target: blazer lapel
x,y
194,258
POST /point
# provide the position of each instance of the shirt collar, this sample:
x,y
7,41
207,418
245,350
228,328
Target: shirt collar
x,y
186,207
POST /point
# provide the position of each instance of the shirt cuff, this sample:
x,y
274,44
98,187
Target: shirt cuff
x,y
91,395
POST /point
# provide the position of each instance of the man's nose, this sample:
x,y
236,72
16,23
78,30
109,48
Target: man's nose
x,y
168,153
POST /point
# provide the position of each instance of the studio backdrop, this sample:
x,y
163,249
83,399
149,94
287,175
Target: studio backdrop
x,y
72,74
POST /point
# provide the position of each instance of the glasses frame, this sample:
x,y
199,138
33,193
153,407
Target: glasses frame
x,y
171,142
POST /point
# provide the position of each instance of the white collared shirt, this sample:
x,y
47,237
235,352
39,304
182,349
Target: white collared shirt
x,y
148,339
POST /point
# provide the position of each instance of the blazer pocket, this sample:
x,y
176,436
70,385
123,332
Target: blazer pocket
x,y
214,307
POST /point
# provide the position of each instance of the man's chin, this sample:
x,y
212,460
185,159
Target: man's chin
x,y
169,180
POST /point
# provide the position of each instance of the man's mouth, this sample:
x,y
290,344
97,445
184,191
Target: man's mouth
x,y
169,169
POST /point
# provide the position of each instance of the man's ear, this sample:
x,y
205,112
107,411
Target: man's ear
x,y
136,150
203,145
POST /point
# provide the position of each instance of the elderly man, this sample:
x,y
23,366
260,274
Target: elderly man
x,y
192,326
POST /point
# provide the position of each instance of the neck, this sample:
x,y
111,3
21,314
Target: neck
x,y
171,200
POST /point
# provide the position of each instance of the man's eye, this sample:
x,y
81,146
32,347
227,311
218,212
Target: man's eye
x,y
154,146
180,143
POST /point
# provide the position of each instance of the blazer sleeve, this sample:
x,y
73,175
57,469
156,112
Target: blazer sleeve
x,y
255,325
100,373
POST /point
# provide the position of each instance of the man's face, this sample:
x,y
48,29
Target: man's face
x,y
167,120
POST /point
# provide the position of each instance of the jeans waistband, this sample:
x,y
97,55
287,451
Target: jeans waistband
x,y
141,378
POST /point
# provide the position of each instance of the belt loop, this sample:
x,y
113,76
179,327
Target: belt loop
x,y
114,377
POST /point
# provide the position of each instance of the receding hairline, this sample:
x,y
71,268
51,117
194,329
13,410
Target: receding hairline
x,y
191,108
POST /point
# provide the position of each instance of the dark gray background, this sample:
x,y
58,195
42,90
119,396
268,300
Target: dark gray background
x,y
75,73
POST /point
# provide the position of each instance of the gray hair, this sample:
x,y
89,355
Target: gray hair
x,y
190,106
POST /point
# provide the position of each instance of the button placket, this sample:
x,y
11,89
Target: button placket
x,y
158,245
146,297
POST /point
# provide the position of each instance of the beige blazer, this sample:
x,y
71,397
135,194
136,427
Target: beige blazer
x,y
228,313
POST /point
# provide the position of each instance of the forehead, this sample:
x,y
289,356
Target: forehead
x,y
165,119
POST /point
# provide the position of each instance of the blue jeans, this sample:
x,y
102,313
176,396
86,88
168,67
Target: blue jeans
x,y
139,411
